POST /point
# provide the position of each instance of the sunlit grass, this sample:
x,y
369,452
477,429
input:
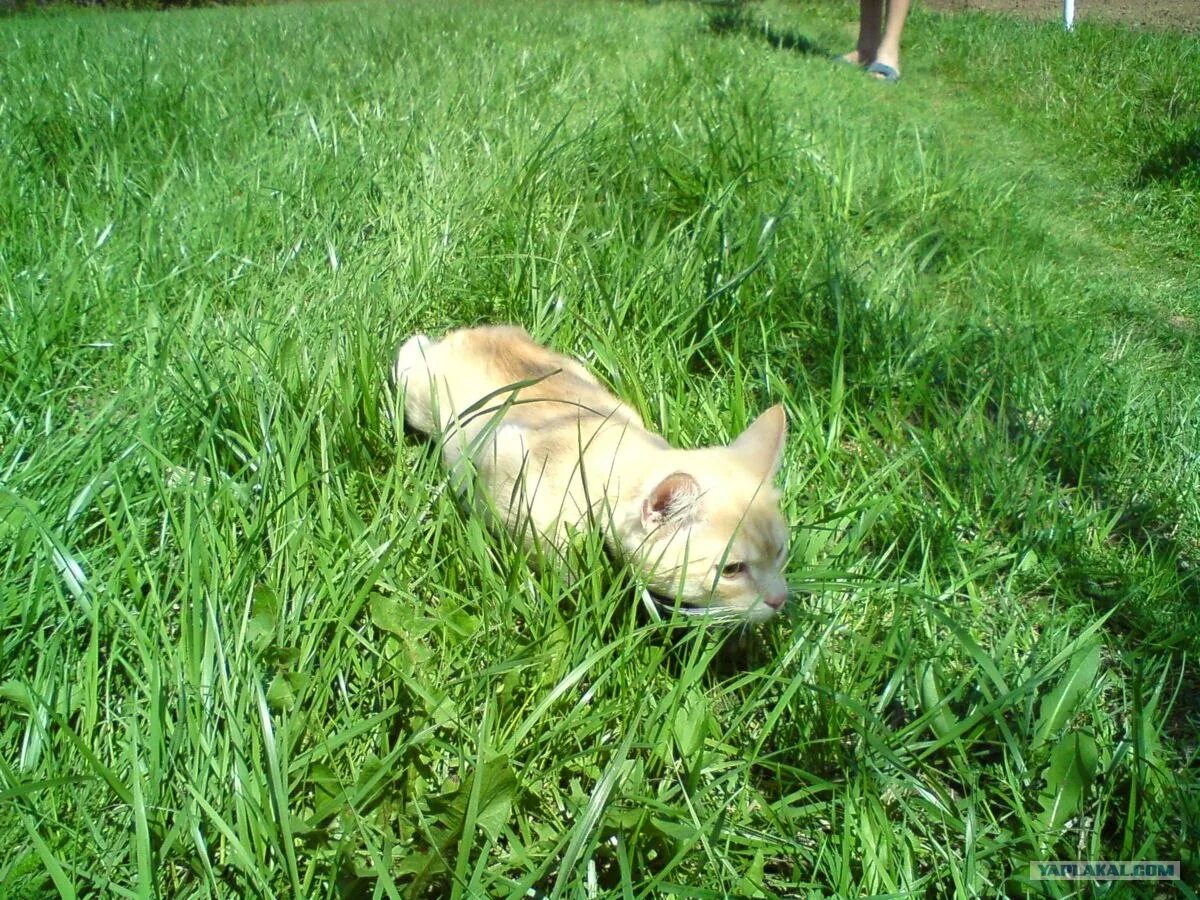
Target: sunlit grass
x,y
252,646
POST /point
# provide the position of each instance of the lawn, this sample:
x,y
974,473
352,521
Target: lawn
x,y
252,647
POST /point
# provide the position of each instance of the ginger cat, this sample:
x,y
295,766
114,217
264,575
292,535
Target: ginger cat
x,y
556,451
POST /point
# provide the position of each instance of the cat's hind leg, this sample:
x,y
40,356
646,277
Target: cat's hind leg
x,y
414,375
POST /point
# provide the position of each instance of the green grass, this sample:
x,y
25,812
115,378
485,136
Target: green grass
x,y
252,647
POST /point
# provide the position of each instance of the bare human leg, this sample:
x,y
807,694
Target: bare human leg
x,y
870,30
887,51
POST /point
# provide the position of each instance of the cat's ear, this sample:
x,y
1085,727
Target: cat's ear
x,y
761,445
671,500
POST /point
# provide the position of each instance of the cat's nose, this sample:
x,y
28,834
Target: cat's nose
x,y
776,601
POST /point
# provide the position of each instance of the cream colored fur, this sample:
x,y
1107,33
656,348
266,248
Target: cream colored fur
x,y
555,451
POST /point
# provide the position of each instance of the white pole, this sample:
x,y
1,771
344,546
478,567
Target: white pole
x,y
1069,14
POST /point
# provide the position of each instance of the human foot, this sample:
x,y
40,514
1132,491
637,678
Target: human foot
x,y
885,66
883,72
857,58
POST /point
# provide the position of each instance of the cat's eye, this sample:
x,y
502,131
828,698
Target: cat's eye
x,y
733,570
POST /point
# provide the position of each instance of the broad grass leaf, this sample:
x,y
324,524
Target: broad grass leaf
x,y
461,624
624,818
1059,705
280,695
941,720
498,790
264,611
281,692
679,832
751,882
390,615
424,864
691,725
498,798
329,794
1072,770
15,692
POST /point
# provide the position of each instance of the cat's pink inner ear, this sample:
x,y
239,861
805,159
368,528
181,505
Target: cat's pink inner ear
x,y
671,499
761,445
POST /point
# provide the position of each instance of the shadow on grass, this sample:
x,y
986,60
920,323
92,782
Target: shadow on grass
x,y
736,19
1175,162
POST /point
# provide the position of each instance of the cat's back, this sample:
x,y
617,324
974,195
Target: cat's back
x,y
553,386
506,353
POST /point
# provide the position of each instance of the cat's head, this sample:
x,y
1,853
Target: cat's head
x,y
711,533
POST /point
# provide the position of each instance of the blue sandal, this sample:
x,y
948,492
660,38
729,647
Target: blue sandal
x,y
883,72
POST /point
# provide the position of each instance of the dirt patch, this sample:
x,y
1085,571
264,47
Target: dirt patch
x,y
1179,14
